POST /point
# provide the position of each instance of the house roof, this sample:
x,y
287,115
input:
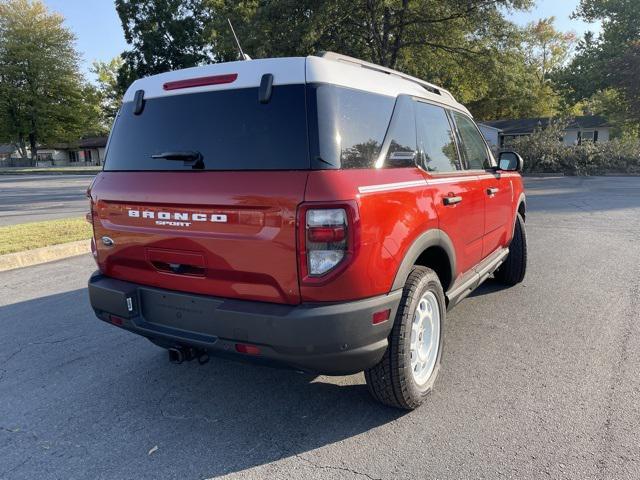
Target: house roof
x,y
7,148
486,125
88,142
93,142
528,125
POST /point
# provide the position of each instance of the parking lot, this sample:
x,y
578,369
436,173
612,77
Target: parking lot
x,y
32,198
538,381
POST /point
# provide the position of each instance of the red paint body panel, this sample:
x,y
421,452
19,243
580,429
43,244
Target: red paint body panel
x,y
462,222
389,222
254,254
251,256
500,209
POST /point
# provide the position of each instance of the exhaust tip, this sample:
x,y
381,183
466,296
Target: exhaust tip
x,y
176,356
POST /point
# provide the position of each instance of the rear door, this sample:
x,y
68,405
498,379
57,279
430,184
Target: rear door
x,y
457,194
497,190
200,190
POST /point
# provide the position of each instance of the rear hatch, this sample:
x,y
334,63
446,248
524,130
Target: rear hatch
x,y
200,189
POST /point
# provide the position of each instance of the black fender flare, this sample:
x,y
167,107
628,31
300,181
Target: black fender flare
x,y
431,238
522,200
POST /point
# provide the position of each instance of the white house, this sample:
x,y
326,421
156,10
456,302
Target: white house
x,y
88,151
588,128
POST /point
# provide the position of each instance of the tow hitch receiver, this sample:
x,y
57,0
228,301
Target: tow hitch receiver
x,y
186,354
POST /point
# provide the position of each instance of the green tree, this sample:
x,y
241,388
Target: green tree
x,y
164,35
609,61
108,88
466,46
547,48
626,70
42,94
381,31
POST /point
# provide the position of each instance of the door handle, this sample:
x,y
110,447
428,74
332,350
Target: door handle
x,y
492,190
451,200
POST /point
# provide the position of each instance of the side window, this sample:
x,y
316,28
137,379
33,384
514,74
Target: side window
x,y
472,144
351,125
436,140
399,148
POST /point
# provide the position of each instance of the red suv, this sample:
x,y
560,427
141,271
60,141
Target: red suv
x,y
319,213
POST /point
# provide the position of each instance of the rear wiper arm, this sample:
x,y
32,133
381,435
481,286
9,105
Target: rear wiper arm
x,y
186,156
182,155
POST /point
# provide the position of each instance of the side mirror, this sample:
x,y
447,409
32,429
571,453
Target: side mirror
x,y
510,162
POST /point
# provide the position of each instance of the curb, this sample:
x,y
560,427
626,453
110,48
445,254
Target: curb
x,y
36,256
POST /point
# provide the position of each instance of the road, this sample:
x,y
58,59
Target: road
x,y
538,381
32,198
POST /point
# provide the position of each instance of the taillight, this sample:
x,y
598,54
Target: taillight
x,y
89,216
326,239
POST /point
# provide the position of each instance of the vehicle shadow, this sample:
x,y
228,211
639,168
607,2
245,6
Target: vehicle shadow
x,y
113,395
488,287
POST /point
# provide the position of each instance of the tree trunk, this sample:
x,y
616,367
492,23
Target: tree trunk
x,y
22,148
32,140
34,149
398,35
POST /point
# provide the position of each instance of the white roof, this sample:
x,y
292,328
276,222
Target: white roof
x,y
331,68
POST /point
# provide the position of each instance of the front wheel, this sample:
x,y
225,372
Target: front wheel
x,y
409,367
514,268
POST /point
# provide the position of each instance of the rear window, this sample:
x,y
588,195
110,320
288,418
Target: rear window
x,y
229,128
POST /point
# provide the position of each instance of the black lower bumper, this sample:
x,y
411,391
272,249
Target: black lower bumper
x,y
332,339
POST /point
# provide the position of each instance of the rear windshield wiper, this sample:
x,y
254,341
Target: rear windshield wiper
x,y
186,156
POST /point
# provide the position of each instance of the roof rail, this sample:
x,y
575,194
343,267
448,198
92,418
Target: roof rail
x,y
372,66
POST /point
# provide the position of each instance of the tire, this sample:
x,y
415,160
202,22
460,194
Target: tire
x,y
392,381
514,268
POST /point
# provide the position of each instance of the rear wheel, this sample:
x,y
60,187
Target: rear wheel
x,y
514,268
409,368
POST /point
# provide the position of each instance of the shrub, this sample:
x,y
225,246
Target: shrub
x,y
544,153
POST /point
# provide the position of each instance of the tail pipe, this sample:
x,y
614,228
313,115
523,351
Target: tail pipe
x,y
178,355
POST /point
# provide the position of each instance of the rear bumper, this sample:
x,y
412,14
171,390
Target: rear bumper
x,y
332,339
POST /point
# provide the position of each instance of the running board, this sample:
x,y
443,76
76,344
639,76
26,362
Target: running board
x,y
473,279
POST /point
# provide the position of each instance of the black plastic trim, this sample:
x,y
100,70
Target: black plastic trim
x,y
431,238
138,101
474,278
266,87
332,339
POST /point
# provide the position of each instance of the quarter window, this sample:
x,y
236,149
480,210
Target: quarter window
x,y
351,125
436,140
472,144
400,142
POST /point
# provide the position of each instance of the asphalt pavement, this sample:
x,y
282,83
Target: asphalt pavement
x,y
33,198
538,381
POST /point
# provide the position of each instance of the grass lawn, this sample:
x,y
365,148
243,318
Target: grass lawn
x,y
27,236
49,170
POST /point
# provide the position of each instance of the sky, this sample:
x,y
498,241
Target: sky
x,y
96,26
562,10
99,33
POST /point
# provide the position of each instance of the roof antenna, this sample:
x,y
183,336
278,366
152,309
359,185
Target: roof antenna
x,y
243,55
